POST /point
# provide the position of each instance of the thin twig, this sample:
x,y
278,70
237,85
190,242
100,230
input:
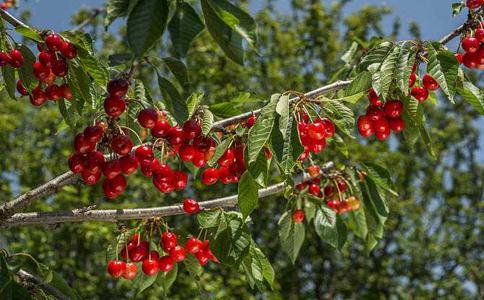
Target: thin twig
x,y
95,12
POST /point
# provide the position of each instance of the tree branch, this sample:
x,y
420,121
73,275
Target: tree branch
x,y
11,19
116,215
95,12
27,277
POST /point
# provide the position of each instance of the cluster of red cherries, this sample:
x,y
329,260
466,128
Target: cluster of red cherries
x,y
380,118
474,50
52,63
151,263
6,4
474,4
313,135
13,57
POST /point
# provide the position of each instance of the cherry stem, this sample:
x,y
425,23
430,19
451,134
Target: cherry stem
x,y
126,245
139,139
348,185
151,235
337,187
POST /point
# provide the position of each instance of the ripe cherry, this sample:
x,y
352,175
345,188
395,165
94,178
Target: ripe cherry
x,y
203,258
199,159
393,108
148,117
118,87
374,113
138,253
114,107
459,58
150,267
180,180
190,206
40,71
46,59
192,129
193,245
430,83
318,146
383,135
118,184
225,175
76,163
162,171
53,42
381,125
166,263
21,89
111,168
177,253
16,58
315,190
116,268
298,216
328,127
316,131
163,186
366,133
470,45
93,133
175,135
124,252
227,158
473,4
54,92
412,80
66,91
333,204
60,68
203,144
420,93
364,123
94,161
68,50
131,271
121,144
82,145
146,168
187,152
314,171
90,178
168,240
250,121
210,176
129,164
160,129
374,100
469,60
329,191
354,203
3,58
144,153
397,124
341,186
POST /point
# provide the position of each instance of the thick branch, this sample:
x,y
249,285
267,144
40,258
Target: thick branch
x,y
11,19
27,277
115,215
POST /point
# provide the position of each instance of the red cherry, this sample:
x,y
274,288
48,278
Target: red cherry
x,y
328,127
383,135
333,204
166,263
412,79
203,144
163,186
161,129
76,163
315,190
469,60
111,168
397,124
187,152
374,100
366,133
203,258
250,122
298,216
225,175
316,131
473,4
53,42
40,71
180,180
46,59
3,58
90,178
114,107
82,145
381,125
210,176
175,135
470,45
314,171
118,87
199,159
146,168
318,146
192,129
125,250
54,92
94,161
21,89
193,245
479,35
116,268
60,68
129,164
150,267
168,240
341,186
420,93
131,271
68,50
93,133
138,254
161,170
329,191
227,158
66,91
374,113
135,238
144,153
430,83
177,253
190,206
116,185
148,117
459,58
393,108
16,58
121,144
364,123
154,254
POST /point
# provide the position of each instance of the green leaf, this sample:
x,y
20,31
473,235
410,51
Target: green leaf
x,y
8,73
309,210
80,39
26,71
402,70
444,68
219,151
117,243
287,150
248,194
330,227
380,176
5,274
119,59
61,285
14,291
376,55
340,145
170,278
341,115
173,101
259,170
267,270
291,235
374,202
411,132
30,33
184,27
282,109
260,133
349,56
94,67
193,102
178,68
358,87
388,69
146,24
193,266
117,9
357,222
209,219
207,121
473,95
142,281
229,40
457,8
224,110
79,84
67,112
